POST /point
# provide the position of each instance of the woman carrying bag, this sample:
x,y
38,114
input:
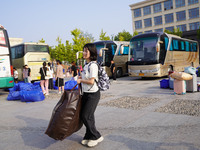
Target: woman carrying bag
x,y
44,82
91,96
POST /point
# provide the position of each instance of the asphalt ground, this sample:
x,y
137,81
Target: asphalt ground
x,y
140,126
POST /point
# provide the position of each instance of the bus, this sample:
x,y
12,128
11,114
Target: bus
x,y
31,54
113,50
155,54
6,68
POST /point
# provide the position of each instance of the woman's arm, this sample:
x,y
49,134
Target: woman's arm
x,y
89,81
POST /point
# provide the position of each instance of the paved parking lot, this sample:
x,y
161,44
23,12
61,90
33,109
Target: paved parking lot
x,y
134,114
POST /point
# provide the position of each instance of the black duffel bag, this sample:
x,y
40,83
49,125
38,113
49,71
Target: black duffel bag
x,y
65,118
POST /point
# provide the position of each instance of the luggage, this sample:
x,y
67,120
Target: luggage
x,y
181,76
179,86
65,118
171,83
164,83
32,96
191,85
190,70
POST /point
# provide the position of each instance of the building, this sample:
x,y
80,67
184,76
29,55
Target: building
x,y
158,15
15,41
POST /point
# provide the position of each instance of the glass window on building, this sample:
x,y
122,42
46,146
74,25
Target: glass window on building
x,y
137,12
194,13
180,3
182,27
157,8
147,22
181,15
170,28
138,24
159,30
149,31
194,25
169,18
168,5
190,2
158,20
147,10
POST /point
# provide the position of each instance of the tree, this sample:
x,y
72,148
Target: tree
x,y
135,33
123,36
42,41
176,31
103,36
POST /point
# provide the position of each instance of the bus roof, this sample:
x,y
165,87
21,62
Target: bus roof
x,y
152,34
103,42
30,43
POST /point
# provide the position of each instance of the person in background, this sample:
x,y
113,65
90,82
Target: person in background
x,y
74,71
113,70
15,75
51,76
26,74
59,77
91,96
44,83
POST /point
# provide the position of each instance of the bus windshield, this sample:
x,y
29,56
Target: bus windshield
x,y
99,58
143,49
37,48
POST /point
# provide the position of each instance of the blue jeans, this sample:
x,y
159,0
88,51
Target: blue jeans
x,y
26,80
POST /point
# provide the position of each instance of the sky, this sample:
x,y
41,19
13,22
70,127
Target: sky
x,y
33,20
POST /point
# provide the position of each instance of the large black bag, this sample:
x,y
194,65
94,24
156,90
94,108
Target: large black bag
x,y
65,118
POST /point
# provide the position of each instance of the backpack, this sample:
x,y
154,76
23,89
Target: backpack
x,y
104,81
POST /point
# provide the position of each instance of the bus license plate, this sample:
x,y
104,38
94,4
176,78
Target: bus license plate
x,y
141,74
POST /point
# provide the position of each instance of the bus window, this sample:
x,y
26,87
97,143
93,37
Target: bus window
x,y
166,43
182,46
114,47
187,47
19,51
194,47
175,45
36,48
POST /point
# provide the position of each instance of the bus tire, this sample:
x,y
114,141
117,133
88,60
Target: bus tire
x,y
119,72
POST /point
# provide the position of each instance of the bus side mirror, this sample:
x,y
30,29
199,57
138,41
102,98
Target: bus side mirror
x,y
77,54
122,50
161,42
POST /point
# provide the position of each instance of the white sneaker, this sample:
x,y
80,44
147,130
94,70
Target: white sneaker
x,y
59,92
84,142
92,143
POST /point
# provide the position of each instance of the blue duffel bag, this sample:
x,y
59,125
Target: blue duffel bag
x,y
25,86
32,96
70,84
14,95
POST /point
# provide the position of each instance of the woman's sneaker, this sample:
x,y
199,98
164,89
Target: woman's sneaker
x,y
84,142
92,143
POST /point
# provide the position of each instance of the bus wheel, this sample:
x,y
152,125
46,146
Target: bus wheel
x,y
119,72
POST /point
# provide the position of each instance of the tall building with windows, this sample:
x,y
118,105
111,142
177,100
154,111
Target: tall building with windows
x,y
158,15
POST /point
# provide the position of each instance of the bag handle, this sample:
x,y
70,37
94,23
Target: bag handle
x,y
79,88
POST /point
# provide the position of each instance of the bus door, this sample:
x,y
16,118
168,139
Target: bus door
x,y
6,72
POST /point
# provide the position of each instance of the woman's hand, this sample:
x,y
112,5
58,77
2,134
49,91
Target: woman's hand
x,y
79,77
78,81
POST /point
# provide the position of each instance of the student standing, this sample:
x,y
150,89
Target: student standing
x,y
113,70
27,74
44,83
15,75
59,77
74,71
91,96
51,76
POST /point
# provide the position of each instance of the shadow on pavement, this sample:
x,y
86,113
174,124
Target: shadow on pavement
x,y
145,145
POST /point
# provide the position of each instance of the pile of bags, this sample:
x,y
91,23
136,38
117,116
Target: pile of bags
x,y
26,92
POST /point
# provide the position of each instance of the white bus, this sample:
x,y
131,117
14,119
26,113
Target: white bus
x,y
6,68
154,54
31,54
113,50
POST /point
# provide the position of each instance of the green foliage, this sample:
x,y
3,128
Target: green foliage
x,y
41,41
103,36
123,36
135,33
176,31
67,52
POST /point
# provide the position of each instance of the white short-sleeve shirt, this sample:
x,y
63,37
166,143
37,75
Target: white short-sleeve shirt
x,y
90,88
